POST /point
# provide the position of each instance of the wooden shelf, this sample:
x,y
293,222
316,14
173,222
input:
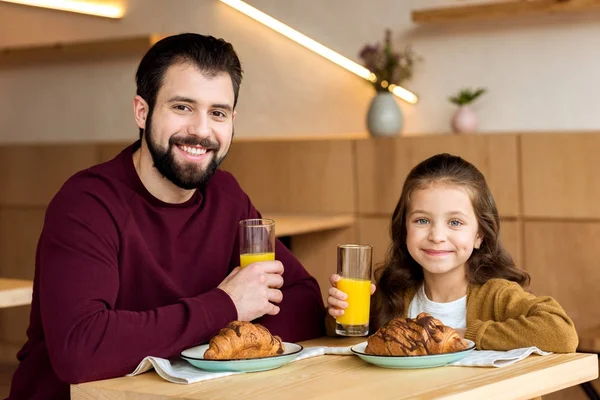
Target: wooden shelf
x,y
84,50
15,292
502,9
297,224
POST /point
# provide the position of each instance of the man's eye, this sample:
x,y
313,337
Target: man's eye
x,y
182,107
219,114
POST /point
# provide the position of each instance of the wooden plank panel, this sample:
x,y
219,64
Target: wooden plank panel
x,y
38,171
560,175
301,176
375,231
20,230
383,163
108,151
562,259
318,253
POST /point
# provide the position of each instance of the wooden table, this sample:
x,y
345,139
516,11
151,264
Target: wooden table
x,y
348,377
15,292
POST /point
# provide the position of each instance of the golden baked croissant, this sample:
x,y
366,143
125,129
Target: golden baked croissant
x,y
243,340
414,337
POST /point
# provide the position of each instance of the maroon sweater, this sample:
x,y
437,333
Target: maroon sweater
x,y
121,275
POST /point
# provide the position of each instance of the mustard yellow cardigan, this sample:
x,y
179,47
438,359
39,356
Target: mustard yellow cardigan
x,y
501,315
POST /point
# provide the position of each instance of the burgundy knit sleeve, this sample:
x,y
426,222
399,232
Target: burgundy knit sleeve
x,y
87,338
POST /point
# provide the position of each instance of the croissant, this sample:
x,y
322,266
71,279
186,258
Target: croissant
x,y
420,336
243,340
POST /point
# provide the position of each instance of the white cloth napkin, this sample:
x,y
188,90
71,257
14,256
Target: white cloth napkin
x,y
489,358
178,370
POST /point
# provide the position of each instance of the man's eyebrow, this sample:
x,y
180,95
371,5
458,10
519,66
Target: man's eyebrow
x,y
223,107
182,99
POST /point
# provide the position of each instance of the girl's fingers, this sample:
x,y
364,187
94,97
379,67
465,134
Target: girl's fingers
x,y
373,288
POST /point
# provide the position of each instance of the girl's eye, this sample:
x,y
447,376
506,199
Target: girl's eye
x,y
421,221
455,223
182,107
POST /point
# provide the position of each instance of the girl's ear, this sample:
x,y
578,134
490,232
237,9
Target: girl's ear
x,y
478,240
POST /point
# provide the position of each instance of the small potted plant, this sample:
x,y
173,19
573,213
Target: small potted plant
x,y
390,67
465,120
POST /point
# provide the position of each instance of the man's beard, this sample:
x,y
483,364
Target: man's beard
x,y
187,176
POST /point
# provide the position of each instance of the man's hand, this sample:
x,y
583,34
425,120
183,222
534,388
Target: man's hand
x,y
254,289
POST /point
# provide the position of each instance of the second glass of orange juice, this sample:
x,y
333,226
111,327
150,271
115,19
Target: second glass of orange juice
x,y
257,241
354,268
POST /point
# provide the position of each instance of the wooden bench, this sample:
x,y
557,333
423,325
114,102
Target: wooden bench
x,y
589,342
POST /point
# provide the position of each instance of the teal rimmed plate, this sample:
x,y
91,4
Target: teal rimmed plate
x,y
430,361
195,356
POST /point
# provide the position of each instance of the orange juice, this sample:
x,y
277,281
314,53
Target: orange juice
x,y
359,299
249,258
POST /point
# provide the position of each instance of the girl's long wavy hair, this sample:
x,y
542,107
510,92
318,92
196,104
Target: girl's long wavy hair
x,y
400,272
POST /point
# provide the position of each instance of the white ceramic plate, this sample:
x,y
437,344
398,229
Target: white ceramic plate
x,y
429,361
195,356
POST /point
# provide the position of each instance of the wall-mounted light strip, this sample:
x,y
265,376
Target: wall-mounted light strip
x,y
318,48
98,8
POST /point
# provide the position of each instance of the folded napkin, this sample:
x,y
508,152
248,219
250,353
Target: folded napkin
x,y
177,370
489,358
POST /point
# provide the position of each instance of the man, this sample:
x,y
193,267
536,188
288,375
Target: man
x,y
139,255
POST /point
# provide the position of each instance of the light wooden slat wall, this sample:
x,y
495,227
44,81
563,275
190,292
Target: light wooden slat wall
x,y
561,175
383,163
302,176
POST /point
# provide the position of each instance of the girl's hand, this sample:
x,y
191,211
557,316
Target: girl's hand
x,y
336,301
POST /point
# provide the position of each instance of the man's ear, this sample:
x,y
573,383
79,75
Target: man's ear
x,y
140,111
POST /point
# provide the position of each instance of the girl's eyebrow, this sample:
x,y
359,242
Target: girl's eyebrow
x,y
448,213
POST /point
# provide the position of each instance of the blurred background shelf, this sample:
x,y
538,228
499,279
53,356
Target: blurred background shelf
x,y
502,10
92,50
297,224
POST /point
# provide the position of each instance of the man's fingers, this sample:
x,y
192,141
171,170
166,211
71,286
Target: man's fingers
x,y
332,301
334,279
338,294
275,295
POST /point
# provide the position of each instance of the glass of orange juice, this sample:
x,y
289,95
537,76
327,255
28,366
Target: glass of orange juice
x,y
354,268
257,241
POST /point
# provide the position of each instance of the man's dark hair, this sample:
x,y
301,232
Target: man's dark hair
x,y
210,55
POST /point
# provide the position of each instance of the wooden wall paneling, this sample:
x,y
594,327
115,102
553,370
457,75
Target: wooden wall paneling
x,y
561,175
295,176
20,228
38,171
383,163
108,151
562,259
318,253
374,231
511,239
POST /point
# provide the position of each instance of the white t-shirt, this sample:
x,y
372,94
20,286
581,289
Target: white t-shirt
x,y
453,314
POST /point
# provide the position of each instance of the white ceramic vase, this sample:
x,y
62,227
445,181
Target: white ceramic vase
x,y
464,120
384,117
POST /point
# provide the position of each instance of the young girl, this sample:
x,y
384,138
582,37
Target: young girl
x,y
446,259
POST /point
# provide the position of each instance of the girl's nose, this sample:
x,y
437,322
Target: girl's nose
x,y
436,234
